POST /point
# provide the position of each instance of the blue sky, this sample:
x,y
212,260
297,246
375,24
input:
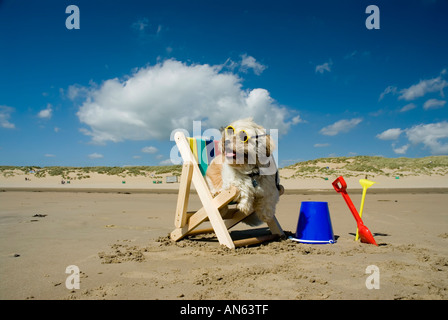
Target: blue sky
x,y
111,92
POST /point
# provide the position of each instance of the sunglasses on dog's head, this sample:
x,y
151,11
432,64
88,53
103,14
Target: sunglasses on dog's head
x,y
242,134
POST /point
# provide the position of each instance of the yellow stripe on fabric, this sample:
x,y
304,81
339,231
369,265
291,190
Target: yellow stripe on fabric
x,y
193,147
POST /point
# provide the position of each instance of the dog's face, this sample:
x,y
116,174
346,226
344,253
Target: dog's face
x,y
246,143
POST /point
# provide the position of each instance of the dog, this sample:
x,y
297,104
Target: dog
x,y
246,163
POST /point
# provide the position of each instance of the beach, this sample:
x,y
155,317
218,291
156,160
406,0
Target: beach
x,y
117,235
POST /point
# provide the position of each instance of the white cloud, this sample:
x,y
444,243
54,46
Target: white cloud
x,y
390,134
249,62
389,89
140,24
423,87
5,115
324,67
46,113
76,91
351,55
433,104
341,126
166,162
431,136
149,149
321,145
408,107
377,113
155,100
297,119
231,65
146,30
400,150
95,156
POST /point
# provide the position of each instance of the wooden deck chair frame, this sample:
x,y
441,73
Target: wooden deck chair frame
x,y
186,223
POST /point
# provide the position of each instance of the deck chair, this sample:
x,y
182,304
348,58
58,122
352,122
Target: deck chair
x,y
193,170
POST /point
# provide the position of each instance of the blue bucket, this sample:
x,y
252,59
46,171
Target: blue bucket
x,y
314,224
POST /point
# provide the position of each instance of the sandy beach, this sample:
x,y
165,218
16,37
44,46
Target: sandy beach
x,y
117,235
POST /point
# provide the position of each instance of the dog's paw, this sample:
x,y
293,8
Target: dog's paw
x,y
245,207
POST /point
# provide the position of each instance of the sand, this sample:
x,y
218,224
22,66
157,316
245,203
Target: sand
x,y
115,230
116,234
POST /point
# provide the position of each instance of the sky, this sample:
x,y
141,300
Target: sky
x,y
110,85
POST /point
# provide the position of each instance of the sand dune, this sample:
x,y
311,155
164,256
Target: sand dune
x,y
401,173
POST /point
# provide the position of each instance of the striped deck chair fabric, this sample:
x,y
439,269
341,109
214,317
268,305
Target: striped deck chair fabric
x,y
204,151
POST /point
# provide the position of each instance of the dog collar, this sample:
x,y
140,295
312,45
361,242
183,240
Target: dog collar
x,y
257,173
252,175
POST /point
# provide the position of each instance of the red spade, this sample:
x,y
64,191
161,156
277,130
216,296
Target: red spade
x,y
364,233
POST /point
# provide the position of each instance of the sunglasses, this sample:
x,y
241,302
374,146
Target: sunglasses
x,y
242,134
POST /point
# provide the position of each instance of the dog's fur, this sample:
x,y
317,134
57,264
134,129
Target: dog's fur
x,y
239,165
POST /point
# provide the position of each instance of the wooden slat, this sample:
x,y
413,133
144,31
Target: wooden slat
x,y
201,231
201,215
236,218
255,240
184,195
194,221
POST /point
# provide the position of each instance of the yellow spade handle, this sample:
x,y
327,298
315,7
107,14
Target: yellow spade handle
x,y
364,190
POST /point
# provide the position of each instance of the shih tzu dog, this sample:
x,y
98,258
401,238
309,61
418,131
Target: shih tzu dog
x,y
246,162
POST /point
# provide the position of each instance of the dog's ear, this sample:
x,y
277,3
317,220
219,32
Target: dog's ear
x,y
270,145
222,144
223,140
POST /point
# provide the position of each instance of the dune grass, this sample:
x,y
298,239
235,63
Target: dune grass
x,y
84,172
355,166
317,168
